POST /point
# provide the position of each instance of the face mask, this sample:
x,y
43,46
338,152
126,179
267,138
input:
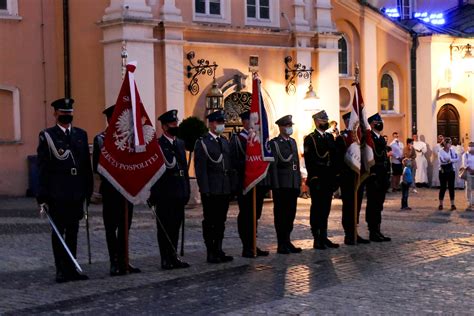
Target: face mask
x,y
173,131
379,126
220,129
65,119
324,126
289,130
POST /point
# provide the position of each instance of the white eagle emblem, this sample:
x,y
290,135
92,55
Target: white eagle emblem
x,y
124,135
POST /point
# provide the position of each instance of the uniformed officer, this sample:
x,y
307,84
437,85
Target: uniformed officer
x,y
286,181
320,154
377,183
238,146
65,183
113,211
347,183
171,192
213,173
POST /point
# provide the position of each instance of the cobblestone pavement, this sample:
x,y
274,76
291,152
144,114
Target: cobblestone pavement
x,y
426,269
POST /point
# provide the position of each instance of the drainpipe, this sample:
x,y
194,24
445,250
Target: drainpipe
x,y
413,81
67,65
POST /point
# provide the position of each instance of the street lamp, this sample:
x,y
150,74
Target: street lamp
x,y
468,58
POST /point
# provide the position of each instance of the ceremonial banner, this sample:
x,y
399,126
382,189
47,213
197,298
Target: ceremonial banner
x,y
131,158
359,155
258,154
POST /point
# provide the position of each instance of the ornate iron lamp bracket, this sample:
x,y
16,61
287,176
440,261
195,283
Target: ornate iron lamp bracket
x,y
295,71
202,67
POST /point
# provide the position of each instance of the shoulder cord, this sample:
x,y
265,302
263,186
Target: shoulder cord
x,y
290,157
219,160
381,153
169,165
239,144
316,148
54,151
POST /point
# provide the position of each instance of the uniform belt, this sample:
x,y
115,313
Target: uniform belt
x,y
69,171
178,173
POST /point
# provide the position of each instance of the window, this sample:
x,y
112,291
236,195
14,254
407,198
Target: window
x,y
9,9
387,99
258,9
10,129
406,9
214,11
343,57
207,7
262,13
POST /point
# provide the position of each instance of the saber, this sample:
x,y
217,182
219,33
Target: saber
x,y
182,236
44,208
86,207
152,207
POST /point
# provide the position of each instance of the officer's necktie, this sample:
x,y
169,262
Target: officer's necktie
x,y
68,136
219,141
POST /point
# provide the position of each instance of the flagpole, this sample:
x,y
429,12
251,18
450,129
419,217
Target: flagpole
x,y
357,177
124,56
254,218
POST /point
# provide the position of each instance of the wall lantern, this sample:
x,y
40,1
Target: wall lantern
x,y
202,67
468,58
214,98
298,71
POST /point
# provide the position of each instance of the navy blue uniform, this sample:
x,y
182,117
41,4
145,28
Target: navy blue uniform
x,y
170,194
65,183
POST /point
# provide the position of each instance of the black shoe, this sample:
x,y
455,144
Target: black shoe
x,y
167,264
262,253
293,249
330,244
361,240
375,237
318,244
61,277
453,207
132,269
384,238
76,276
283,250
247,253
180,264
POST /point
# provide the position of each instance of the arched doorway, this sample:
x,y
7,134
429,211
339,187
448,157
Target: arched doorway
x,y
448,121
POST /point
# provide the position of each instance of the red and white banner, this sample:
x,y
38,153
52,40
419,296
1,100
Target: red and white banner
x,y
258,156
131,158
359,155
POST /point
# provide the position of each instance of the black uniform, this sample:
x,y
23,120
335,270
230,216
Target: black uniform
x,y
113,213
213,173
170,194
347,185
286,182
320,154
377,185
238,145
65,182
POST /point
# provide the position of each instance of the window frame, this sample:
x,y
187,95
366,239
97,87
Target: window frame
x,y
223,17
348,56
273,14
16,114
11,13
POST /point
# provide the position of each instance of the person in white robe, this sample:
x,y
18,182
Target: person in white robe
x,y
459,183
435,162
468,163
421,175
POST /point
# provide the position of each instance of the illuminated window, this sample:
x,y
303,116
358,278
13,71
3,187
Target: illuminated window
x,y
387,99
262,13
217,11
343,57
